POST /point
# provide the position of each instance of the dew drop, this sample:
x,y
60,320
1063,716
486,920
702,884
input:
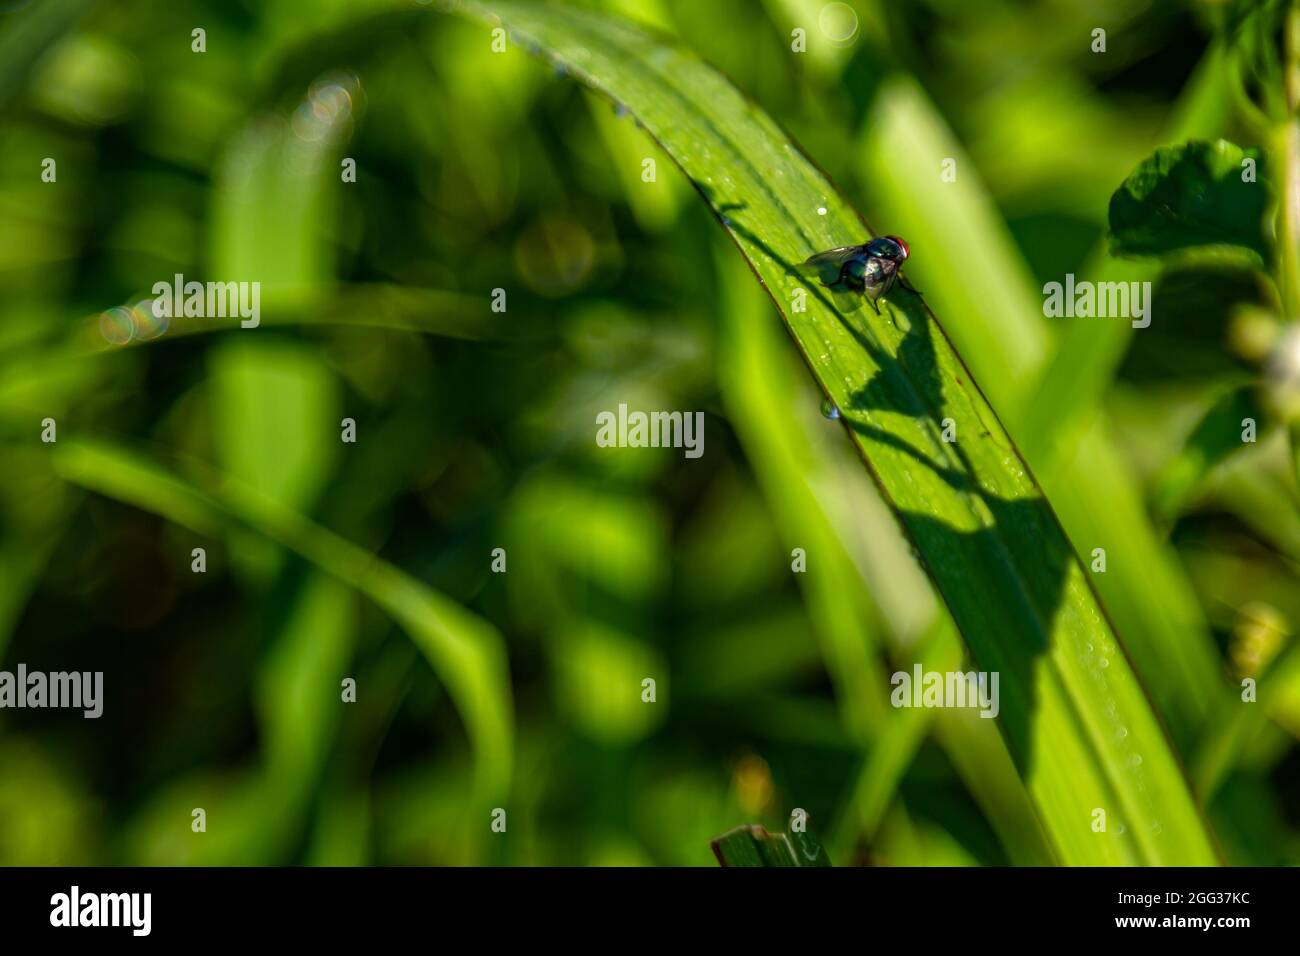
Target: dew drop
x,y
839,23
830,410
821,210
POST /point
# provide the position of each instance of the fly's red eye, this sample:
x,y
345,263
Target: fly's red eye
x,y
902,245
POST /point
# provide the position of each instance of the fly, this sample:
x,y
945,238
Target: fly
x,y
869,270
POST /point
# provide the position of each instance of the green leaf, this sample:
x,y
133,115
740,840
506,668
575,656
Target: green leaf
x,y
272,395
466,651
275,431
1293,433
273,196
754,846
1192,195
1228,740
300,683
1000,332
1216,436
267,808
860,554
455,315
1077,722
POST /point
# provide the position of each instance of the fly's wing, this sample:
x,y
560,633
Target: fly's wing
x,y
880,276
826,265
837,255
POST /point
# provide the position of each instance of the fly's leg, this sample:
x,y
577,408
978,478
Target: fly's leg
x,y
847,291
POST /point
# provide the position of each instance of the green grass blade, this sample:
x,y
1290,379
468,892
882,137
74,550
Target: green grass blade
x,y
1229,739
1092,490
1293,433
1216,436
270,394
1077,722
300,683
755,846
455,315
856,558
467,653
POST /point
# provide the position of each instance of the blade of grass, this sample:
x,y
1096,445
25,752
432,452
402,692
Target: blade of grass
x,y
1077,721
1239,723
1215,437
299,686
456,315
270,393
825,514
466,651
755,846
1091,489
32,375
298,713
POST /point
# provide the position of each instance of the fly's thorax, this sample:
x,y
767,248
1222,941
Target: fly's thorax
x,y
888,247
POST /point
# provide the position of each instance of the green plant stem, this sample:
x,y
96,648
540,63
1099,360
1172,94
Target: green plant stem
x,y
1287,148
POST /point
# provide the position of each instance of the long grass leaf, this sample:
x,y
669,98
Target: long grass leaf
x,y
467,652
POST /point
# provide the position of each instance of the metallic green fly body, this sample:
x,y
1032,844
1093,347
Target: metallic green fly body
x,y
869,270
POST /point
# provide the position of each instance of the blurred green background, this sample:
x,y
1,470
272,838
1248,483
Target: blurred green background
x,y
476,171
